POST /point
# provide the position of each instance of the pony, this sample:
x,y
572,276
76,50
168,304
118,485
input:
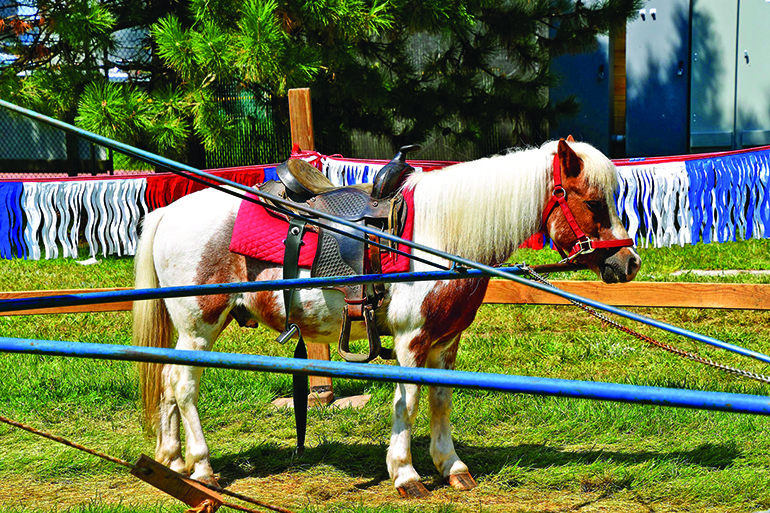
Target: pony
x,y
481,210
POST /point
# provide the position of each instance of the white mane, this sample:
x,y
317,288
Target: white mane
x,y
484,209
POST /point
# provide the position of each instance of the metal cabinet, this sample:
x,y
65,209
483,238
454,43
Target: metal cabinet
x,y
752,104
586,76
730,88
657,79
712,86
697,78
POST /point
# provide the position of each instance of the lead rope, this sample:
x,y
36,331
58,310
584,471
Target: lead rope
x,y
133,467
679,352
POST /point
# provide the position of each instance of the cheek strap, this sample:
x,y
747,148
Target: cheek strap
x,y
583,244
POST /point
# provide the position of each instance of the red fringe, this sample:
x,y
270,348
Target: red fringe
x,y
163,189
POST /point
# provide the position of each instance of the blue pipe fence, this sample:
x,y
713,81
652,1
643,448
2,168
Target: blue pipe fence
x,y
693,399
20,304
469,269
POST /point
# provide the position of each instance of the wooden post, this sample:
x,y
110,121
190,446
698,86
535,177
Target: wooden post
x,y
301,118
301,121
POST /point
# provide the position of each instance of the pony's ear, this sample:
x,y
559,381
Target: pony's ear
x,y
569,160
570,139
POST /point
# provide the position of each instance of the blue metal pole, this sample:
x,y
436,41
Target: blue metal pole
x,y
694,399
491,271
115,296
10,305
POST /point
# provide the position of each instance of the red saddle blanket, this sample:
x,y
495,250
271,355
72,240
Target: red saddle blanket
x,y
259,233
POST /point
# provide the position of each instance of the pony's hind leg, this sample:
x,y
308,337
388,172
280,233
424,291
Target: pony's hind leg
x,y
442,450
185,382
168,449
182,385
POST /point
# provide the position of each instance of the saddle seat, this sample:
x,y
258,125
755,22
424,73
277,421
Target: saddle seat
x,y
377,205
302,180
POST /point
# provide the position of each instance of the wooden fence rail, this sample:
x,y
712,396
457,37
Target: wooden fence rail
x,y
739,296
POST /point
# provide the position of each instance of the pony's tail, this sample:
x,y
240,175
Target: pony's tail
x,y
152,323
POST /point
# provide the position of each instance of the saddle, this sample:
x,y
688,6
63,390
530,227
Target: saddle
x,y
377,205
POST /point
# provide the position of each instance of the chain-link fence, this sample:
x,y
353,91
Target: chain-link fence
x,y
259,137
32,150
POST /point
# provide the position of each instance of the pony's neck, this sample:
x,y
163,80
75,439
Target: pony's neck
x,y
484,209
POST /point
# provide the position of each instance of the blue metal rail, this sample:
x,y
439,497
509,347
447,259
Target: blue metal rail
x,y
694,399
10,305
227,186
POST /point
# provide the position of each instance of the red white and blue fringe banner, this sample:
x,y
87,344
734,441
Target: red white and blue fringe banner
x,y
663,201
718,197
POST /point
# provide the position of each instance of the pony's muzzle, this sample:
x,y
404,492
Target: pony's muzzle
x,y
620,267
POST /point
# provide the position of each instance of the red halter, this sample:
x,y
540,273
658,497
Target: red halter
x,y
584,244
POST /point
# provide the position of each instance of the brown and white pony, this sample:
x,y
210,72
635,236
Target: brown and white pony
x,y
482,210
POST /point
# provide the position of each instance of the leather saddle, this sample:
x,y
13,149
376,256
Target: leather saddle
x,y
377,205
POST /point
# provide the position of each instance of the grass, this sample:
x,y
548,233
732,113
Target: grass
x,y
529,453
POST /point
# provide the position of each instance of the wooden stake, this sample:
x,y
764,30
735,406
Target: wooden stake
x,y
176,485
301,121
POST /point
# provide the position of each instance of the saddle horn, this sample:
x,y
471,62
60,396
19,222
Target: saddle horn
x,y
390,177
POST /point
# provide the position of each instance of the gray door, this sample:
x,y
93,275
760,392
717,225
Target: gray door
x,y
587,77
712,84
752,111
657,79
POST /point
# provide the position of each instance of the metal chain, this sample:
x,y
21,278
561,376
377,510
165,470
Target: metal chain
x,y
667,347
131,466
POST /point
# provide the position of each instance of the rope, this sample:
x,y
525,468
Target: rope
x,y
69,443
131,466
662,345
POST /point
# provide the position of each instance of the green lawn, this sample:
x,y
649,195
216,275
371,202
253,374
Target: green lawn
x,y
528,453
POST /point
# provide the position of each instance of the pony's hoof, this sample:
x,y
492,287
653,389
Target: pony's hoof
x,y
413,490
211,481
462,481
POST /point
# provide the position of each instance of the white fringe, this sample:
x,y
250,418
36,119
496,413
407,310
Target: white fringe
x,y
54,211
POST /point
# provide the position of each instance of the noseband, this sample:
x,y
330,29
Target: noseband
x,y
584,244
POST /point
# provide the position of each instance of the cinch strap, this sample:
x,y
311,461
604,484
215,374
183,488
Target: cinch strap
x,y
299,381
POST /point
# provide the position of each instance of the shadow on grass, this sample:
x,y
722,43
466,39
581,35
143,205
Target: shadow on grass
x,y
368,460
486,460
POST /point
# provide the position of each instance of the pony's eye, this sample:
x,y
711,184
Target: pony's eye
x,y
594,205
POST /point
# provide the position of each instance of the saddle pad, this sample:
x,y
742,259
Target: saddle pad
x,y
259,233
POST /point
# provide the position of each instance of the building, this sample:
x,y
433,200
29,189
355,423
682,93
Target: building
x,y
686,76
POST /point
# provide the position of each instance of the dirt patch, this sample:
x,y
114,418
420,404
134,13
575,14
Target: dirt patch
x,y
297,492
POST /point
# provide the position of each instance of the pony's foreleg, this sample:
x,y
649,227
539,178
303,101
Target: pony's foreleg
x,y
405,405
442,450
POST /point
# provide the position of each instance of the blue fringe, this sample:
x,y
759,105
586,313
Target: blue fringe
x,y
11,221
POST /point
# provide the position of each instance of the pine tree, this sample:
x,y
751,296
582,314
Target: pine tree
x,y
57,56
401,69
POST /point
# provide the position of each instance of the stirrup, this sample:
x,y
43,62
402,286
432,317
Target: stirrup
x,y
375,346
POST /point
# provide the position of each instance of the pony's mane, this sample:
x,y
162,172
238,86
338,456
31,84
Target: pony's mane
x,y
484,209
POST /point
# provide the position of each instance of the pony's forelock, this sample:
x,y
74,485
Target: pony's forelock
x,y
600,171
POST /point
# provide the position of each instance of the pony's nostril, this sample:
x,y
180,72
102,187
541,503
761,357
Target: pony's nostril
x,y
634,264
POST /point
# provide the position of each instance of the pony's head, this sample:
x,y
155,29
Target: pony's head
x,y
595,235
